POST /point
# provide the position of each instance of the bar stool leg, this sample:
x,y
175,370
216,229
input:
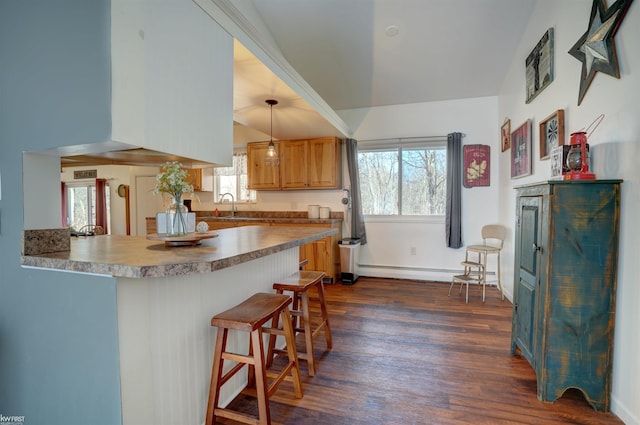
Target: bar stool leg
x,y
216,375
325,316
251,372
275,322
261,386
308,333
292,353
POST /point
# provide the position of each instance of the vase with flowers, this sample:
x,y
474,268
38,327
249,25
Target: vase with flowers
x,y
172,180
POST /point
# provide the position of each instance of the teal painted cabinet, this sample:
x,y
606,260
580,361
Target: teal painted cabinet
x,y
566,261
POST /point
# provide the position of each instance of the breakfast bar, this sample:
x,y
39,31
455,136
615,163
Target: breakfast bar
x,y
165,298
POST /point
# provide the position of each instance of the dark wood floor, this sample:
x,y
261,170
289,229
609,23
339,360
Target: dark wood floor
x,y
406,353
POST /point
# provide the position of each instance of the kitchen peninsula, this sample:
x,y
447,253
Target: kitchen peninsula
x,y
165,297
321,254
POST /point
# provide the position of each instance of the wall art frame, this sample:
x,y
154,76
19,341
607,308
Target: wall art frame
x,y
521,158
477,165
551,133
505,132
539,66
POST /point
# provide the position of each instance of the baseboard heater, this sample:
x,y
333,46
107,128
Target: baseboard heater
x,y
411,272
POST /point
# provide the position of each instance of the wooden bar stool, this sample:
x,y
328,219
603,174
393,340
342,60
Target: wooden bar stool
x,y
300,284
250,316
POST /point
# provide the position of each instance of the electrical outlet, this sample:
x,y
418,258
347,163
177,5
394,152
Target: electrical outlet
x,y
412,250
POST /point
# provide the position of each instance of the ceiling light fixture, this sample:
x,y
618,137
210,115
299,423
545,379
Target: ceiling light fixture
x,y
272,155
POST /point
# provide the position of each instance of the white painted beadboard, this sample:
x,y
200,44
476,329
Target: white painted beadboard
x,y
166,340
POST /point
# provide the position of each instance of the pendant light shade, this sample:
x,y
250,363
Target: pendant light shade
x,y
272,155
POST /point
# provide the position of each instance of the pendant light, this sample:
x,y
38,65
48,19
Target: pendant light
x,y
272,155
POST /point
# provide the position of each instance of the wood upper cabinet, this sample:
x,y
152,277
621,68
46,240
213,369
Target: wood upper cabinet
x,y
201,179
194,176
304,164
260,175
324,168
294,157
566,255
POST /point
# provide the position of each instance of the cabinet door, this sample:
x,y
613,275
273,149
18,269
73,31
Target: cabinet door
x,y
316,253
528,240
194,176
217,225
293,164
324,163
261,175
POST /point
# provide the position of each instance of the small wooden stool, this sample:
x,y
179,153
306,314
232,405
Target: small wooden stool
x,y
250,316
300,284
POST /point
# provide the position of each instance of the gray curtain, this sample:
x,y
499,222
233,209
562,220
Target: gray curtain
x,y
454,190
357,217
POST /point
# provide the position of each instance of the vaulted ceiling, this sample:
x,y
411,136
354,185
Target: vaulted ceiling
x,y
365,53
361,53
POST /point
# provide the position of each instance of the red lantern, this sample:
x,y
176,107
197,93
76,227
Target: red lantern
x,y
577,158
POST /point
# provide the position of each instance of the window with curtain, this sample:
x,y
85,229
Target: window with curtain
x,y
403,178
234,180
81,204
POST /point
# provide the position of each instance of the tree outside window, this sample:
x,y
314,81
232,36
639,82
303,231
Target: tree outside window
x,y
81,205
403,180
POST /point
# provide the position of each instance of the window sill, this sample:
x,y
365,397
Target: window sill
x,y
417,219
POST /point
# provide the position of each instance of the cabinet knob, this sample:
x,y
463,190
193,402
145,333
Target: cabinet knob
x,y
536,247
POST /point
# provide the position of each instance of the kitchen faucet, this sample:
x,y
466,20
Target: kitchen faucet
x,y
233,202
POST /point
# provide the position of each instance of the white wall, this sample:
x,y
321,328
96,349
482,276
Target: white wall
x,y
390,243
615,155
172,79
389,247
117,175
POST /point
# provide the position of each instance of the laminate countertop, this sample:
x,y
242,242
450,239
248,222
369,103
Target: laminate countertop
x,y
277,220
138,257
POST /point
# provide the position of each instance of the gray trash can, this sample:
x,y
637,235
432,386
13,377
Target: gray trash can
x,y
349,248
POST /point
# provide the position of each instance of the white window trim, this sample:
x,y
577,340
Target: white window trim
x,y
396,143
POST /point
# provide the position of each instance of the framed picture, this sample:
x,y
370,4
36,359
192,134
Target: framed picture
x,y
521,151
539,66
559,162
477,165
551,133
505,132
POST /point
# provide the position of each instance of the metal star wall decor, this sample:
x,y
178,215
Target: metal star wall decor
x,y
596,49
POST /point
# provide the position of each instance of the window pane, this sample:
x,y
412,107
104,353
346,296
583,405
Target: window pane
x,y
423,181
77,209
234,180
403,180
228,184
379,182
